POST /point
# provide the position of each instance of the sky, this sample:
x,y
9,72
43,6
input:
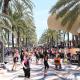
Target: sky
x,y
41,13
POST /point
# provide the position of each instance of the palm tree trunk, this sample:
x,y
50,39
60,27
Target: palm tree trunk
x,y
5,6
48,42
79,40
5,11
18,39
64,36
68,39
52,42
73,41
64,39
8,39
23,42
1,52
57,40
26,42
76,40
79,37
12,37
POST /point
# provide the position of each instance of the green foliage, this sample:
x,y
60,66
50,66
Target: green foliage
x,y
49,36
68,11
59,4
20,18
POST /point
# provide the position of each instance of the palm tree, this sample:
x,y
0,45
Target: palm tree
x,y
19,27
21,11
8,18
50,37
68,11
6,3
22,8
5,23
30,35
4,27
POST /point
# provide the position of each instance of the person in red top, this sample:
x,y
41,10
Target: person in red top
x,y
57,62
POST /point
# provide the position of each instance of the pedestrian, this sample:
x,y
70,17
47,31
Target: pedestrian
x,y
53,52
41,56
68,57
15,59
26,66
37,56
22,55
57,62
46,65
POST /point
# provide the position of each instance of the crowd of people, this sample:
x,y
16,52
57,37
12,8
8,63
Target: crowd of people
x,y
42,54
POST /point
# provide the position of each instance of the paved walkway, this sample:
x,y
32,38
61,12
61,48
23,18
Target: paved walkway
x,y
68,72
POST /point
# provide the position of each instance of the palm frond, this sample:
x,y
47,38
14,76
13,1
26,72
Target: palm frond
x,y
70,16
59,4
65,10
28,3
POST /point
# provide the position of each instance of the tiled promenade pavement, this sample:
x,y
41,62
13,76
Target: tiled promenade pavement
x,y
68,72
